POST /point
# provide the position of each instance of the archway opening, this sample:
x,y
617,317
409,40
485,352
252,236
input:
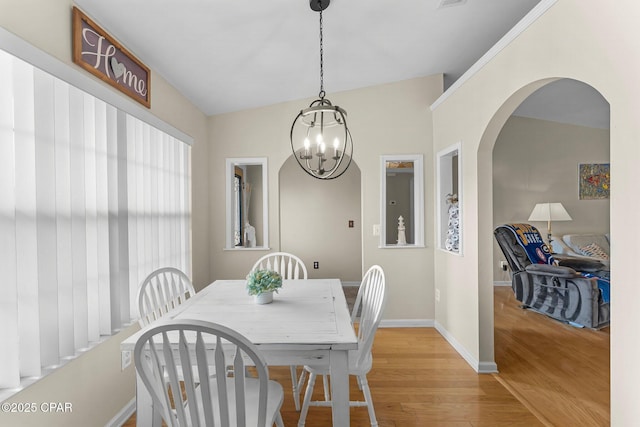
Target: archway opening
x,y
535,146
320,221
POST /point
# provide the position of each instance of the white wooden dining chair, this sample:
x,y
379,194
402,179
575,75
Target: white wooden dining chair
x,y
370,303
290,267
162,291
167,355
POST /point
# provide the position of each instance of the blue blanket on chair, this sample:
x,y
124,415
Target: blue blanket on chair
x,y
529,238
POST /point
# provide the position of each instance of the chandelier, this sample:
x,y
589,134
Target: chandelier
x,y
320,139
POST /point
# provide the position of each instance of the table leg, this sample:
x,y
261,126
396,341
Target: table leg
x,y
145,415
339,368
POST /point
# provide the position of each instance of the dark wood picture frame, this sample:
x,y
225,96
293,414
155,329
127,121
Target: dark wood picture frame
x,y
98,53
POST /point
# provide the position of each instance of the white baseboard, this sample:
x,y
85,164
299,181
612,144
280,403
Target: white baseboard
x,y
487,368
124,414
479,367
501,283
406,323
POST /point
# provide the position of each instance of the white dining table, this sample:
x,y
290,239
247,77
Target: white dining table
x,y
308,322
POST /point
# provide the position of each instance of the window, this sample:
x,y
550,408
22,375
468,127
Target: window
x,y
402,205
92,199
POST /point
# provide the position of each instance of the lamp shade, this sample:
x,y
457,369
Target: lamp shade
x,y
549,212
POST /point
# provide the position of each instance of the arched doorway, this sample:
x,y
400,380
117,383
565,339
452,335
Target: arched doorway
x,y
320,221
536,156
535,159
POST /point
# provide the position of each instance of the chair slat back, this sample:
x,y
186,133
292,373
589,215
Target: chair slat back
x,y
288,265
370,303
162,291
208,349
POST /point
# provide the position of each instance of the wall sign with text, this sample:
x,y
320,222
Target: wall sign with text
x,y
97,52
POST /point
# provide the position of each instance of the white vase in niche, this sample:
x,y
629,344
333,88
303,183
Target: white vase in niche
x,y
263,298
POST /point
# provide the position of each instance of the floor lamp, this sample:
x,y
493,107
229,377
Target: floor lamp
x,y
549,212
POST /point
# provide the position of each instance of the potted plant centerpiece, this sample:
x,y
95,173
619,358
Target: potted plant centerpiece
x,y
262,283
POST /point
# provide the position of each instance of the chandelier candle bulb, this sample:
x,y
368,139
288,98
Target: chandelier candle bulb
x,y
307,153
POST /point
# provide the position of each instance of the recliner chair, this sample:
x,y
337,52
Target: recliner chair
x,y
575,291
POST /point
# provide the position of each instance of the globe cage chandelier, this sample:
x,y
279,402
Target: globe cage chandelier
x,y
321,124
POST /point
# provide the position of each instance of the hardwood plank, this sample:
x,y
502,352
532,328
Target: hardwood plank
x,y
558,371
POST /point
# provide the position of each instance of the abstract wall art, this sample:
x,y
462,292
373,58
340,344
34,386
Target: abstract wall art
x,y
594,181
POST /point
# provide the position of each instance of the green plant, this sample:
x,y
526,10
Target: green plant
x,y
260,281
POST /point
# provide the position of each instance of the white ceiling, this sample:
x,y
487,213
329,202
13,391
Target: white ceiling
x,y
231,55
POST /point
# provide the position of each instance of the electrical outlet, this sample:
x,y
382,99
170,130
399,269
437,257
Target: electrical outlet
x,y
316,265
504,265
437,295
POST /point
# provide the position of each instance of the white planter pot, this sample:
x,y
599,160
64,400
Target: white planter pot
x,y
263,298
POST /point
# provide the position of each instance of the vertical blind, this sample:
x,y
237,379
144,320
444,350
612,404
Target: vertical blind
x,y
92,200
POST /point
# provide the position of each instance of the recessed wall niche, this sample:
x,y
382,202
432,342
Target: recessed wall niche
x,y
449,203
247,217
402,201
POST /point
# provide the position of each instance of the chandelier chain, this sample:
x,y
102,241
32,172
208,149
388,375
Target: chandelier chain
x,y
324,123
322,93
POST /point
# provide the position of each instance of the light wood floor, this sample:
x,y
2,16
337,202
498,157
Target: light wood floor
x,y
560,372
418,379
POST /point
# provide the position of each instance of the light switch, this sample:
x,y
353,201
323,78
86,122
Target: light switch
x,y
376,229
